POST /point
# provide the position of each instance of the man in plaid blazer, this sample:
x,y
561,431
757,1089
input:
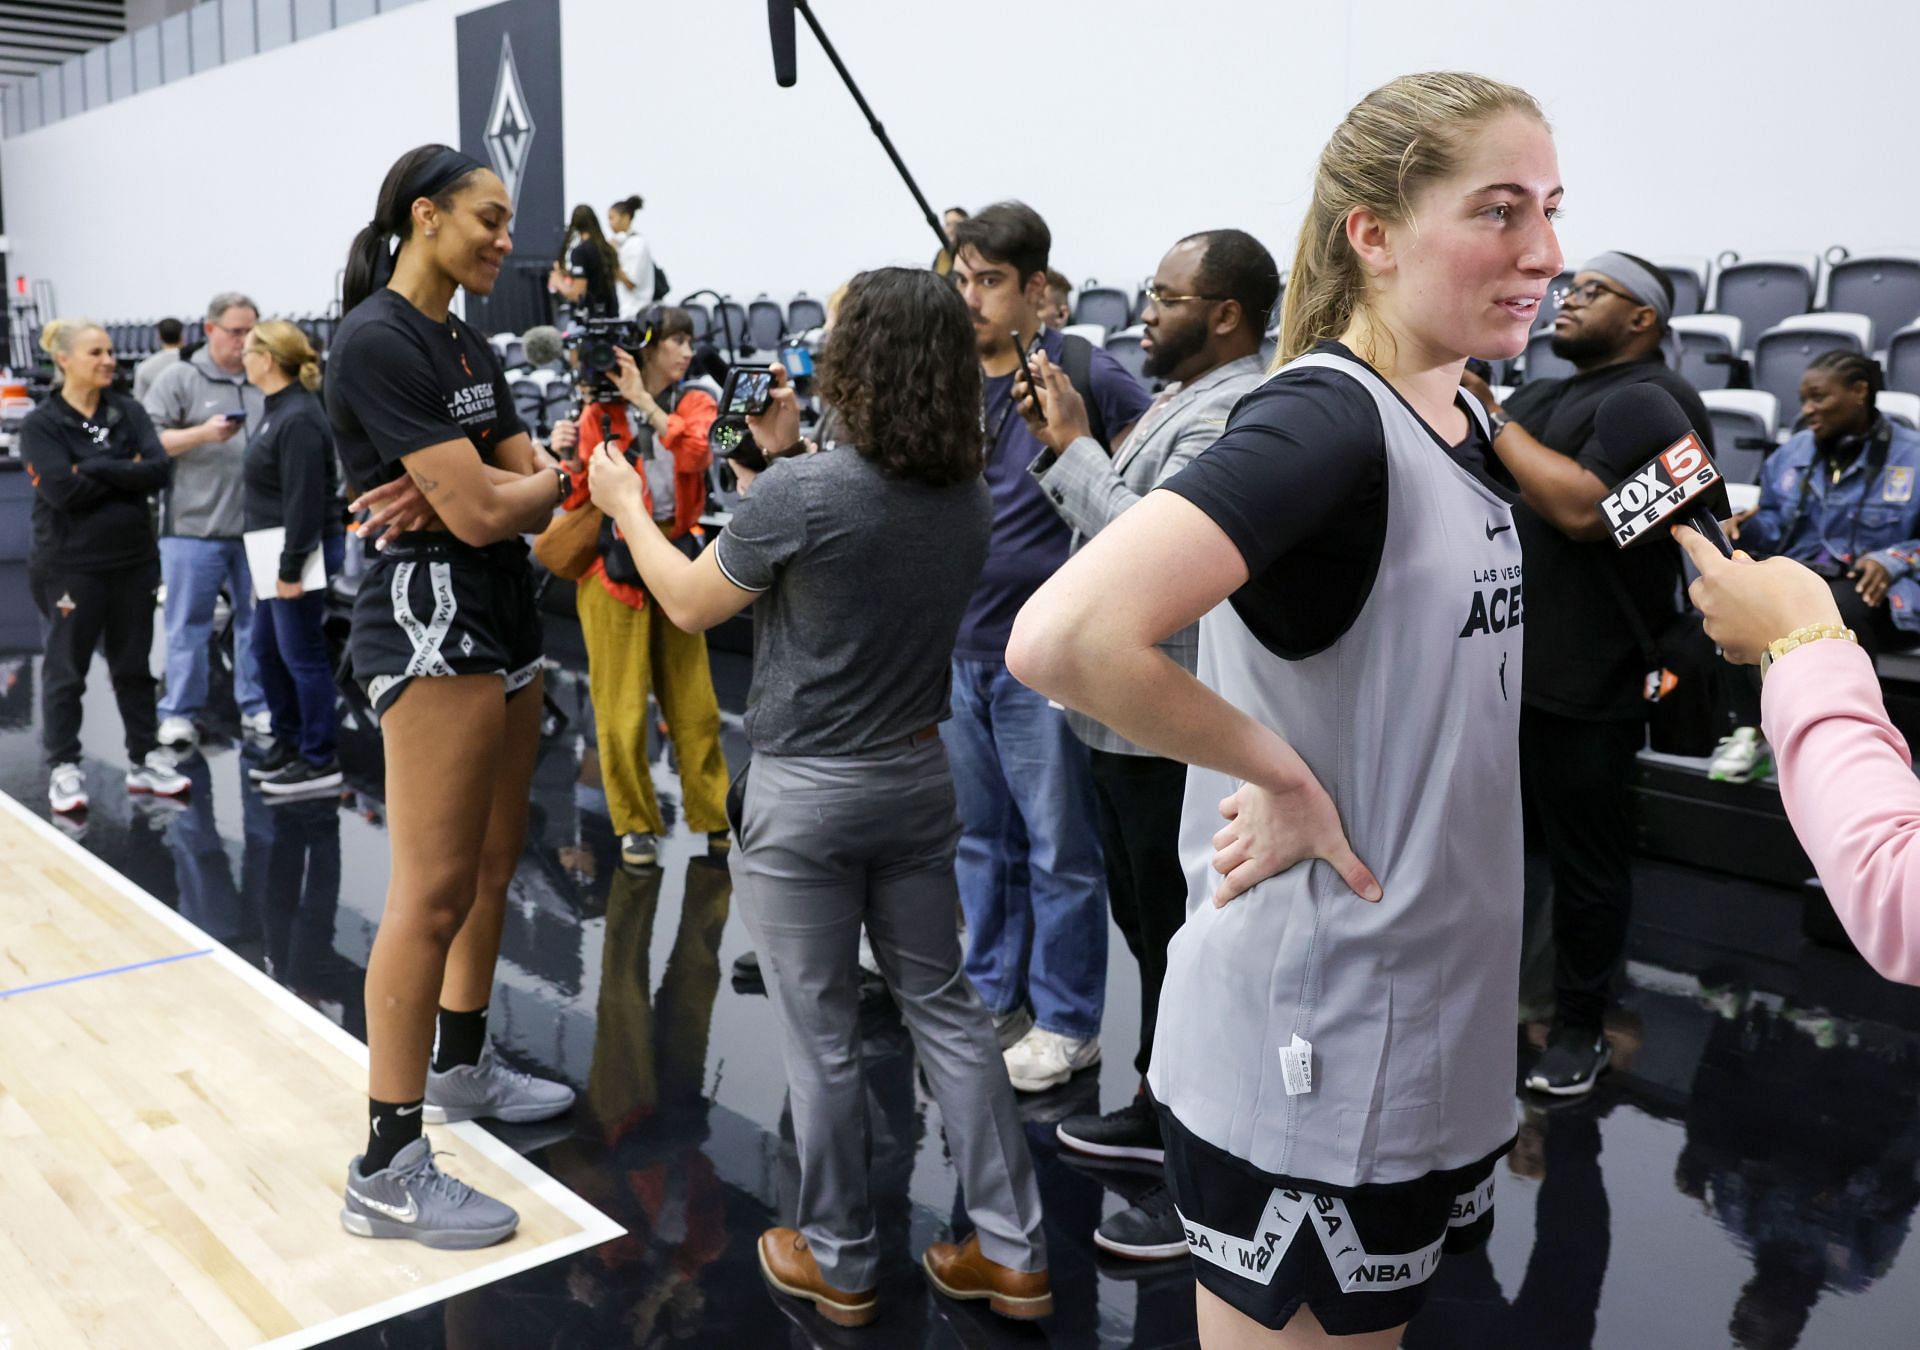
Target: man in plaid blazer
x,y
1208,308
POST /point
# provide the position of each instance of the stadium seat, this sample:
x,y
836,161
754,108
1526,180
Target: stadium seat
x,y
1689,280
1885,289
1092,332
1763,292
527,398
1899,407
557,401
1710,350
805,313
1745,425
1139,303
1903,360
766,324
1782,354
1125,348
1542,364
1107,306
701,316
730,322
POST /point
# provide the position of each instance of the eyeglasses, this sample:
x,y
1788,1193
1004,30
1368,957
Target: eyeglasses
x,y
1578,297
1160,299
237,334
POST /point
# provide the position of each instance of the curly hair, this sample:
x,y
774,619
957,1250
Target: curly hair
x,y
902,370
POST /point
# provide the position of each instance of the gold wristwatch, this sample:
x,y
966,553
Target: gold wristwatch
x,y
1800,637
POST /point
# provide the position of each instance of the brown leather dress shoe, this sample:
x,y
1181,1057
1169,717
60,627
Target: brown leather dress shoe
x,y
960,1271
789,1267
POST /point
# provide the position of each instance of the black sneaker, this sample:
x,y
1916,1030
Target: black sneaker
x,y
1132,1132
1150,1231
279,755
1571,1064
302,777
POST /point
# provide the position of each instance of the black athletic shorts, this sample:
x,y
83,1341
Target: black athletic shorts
x,y
1359,1256
431,605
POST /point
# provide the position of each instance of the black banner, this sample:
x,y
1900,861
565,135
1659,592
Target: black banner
x,y
509,57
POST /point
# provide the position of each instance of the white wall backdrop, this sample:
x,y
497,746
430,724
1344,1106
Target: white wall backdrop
x,y
1683,129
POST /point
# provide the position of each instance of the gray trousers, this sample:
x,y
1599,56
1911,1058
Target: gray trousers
x,y
826,844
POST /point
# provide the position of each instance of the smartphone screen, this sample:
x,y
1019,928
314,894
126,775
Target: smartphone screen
x,y
748,391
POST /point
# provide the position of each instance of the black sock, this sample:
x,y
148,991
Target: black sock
x,y
463,1035
391,1126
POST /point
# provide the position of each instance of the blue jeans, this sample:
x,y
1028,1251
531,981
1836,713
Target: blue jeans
x,y
294,670
193,571
1031,878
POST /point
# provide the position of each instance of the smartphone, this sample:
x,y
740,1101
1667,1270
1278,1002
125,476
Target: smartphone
x,y
1026,369
236,417
747,392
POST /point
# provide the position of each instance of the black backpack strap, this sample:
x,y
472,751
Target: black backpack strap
x,y
1076,359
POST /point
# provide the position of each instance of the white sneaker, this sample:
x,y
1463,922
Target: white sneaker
x,y
157,775
255,724
67,788
1043,1059
178,731
1741,757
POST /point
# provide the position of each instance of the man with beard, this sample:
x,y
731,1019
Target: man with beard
x,y
1207,306
1589,607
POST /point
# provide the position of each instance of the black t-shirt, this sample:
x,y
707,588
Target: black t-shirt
x,y
293,479
586,261
1298,482
1583,658
92,477
398,382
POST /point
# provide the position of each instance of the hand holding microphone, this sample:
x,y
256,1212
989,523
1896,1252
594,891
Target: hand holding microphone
x,y
1749,604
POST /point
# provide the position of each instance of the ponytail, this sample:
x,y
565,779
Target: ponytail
x,y
309,376
435,172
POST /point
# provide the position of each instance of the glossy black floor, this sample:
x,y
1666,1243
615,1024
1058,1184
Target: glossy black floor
x,y
1747,1177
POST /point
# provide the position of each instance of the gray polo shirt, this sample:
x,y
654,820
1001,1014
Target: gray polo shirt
x,y
208,499
865,579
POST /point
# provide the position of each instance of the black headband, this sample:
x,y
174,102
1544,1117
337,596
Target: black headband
x,y
438,174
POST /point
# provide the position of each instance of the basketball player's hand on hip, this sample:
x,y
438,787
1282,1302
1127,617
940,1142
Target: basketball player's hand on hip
x,y
1268,832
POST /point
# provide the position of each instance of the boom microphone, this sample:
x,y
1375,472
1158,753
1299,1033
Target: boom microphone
x,y
780,28
1670,489
542,345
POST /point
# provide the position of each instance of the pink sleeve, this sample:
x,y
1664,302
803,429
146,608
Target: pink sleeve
x,y
1846,778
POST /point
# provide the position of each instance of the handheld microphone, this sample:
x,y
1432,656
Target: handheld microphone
x,y
780,29
1669,489
542,345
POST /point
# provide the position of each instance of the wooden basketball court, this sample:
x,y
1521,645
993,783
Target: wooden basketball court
x,y
175,1129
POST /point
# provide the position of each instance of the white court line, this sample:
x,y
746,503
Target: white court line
x,y
595,1227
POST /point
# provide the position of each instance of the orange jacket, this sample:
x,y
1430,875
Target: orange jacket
x,y
686,439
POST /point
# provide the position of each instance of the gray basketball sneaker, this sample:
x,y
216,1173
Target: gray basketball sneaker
x,y
412,1198
491,1089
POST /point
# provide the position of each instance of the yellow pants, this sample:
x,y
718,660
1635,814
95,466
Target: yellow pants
x,y
629,650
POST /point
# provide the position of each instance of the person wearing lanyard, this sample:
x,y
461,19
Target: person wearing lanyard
x,y
445,639
662,431
293,484
862,558
93,459
1335,1054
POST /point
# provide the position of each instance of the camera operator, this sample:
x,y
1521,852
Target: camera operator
x,y
630,644
863,557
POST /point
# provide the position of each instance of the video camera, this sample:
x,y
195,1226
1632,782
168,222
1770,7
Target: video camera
x,y
596,344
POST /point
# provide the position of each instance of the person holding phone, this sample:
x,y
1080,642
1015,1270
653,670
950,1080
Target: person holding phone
x,y
632,648
446,642
293,484
861,559
1335,1051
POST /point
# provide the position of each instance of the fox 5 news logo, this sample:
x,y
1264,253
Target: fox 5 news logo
x,y
1673,478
